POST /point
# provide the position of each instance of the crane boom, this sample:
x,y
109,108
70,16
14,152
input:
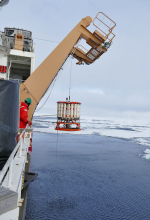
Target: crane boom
x,y
37,84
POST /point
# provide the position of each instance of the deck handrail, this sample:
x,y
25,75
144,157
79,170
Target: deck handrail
x,y
108,26
9,163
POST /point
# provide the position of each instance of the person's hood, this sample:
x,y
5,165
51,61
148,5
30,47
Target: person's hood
x,y
24,104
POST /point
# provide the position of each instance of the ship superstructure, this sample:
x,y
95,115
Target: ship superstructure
x,y
17,56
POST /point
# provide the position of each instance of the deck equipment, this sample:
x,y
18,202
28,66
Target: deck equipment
x,y
68,116
43,77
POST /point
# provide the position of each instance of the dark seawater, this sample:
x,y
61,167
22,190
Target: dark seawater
x,y
97,178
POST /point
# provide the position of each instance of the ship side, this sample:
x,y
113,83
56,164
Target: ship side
x,y
17,62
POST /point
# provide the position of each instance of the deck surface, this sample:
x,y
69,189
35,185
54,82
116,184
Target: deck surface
x,y
8,200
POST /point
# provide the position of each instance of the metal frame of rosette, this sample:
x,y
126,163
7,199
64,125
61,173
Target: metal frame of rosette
x,y
68,116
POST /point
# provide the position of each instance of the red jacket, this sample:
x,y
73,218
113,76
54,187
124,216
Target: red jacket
x,y
23,115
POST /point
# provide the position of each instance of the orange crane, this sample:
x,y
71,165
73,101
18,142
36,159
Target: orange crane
x,y
99,41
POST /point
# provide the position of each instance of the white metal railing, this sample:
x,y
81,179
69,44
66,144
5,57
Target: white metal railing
x,y
18,80
11,176
109,27
9,164
9,41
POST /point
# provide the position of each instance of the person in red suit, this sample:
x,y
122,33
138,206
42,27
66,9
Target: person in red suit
x,y
24,113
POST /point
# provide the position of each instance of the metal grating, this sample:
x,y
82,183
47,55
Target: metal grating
x,y
99,50
94,52
91,56
99,37
94,41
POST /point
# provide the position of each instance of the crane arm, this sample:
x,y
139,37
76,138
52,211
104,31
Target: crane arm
x,y
37,84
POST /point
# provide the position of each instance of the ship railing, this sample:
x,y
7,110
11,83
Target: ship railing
x,y
18,152
9,42
18,80
105,25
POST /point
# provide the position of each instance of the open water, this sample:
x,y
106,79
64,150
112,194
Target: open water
x,y
103,172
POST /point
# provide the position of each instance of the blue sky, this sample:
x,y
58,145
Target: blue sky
x,y
117,84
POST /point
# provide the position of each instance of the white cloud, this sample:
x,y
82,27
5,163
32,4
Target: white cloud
x,y
96,91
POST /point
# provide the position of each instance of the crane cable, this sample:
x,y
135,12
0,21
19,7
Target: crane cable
x,y
51,88
46,98
70,80
56,169
46,40
58,75
57,138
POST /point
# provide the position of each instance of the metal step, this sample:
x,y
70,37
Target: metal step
x,y
29,177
